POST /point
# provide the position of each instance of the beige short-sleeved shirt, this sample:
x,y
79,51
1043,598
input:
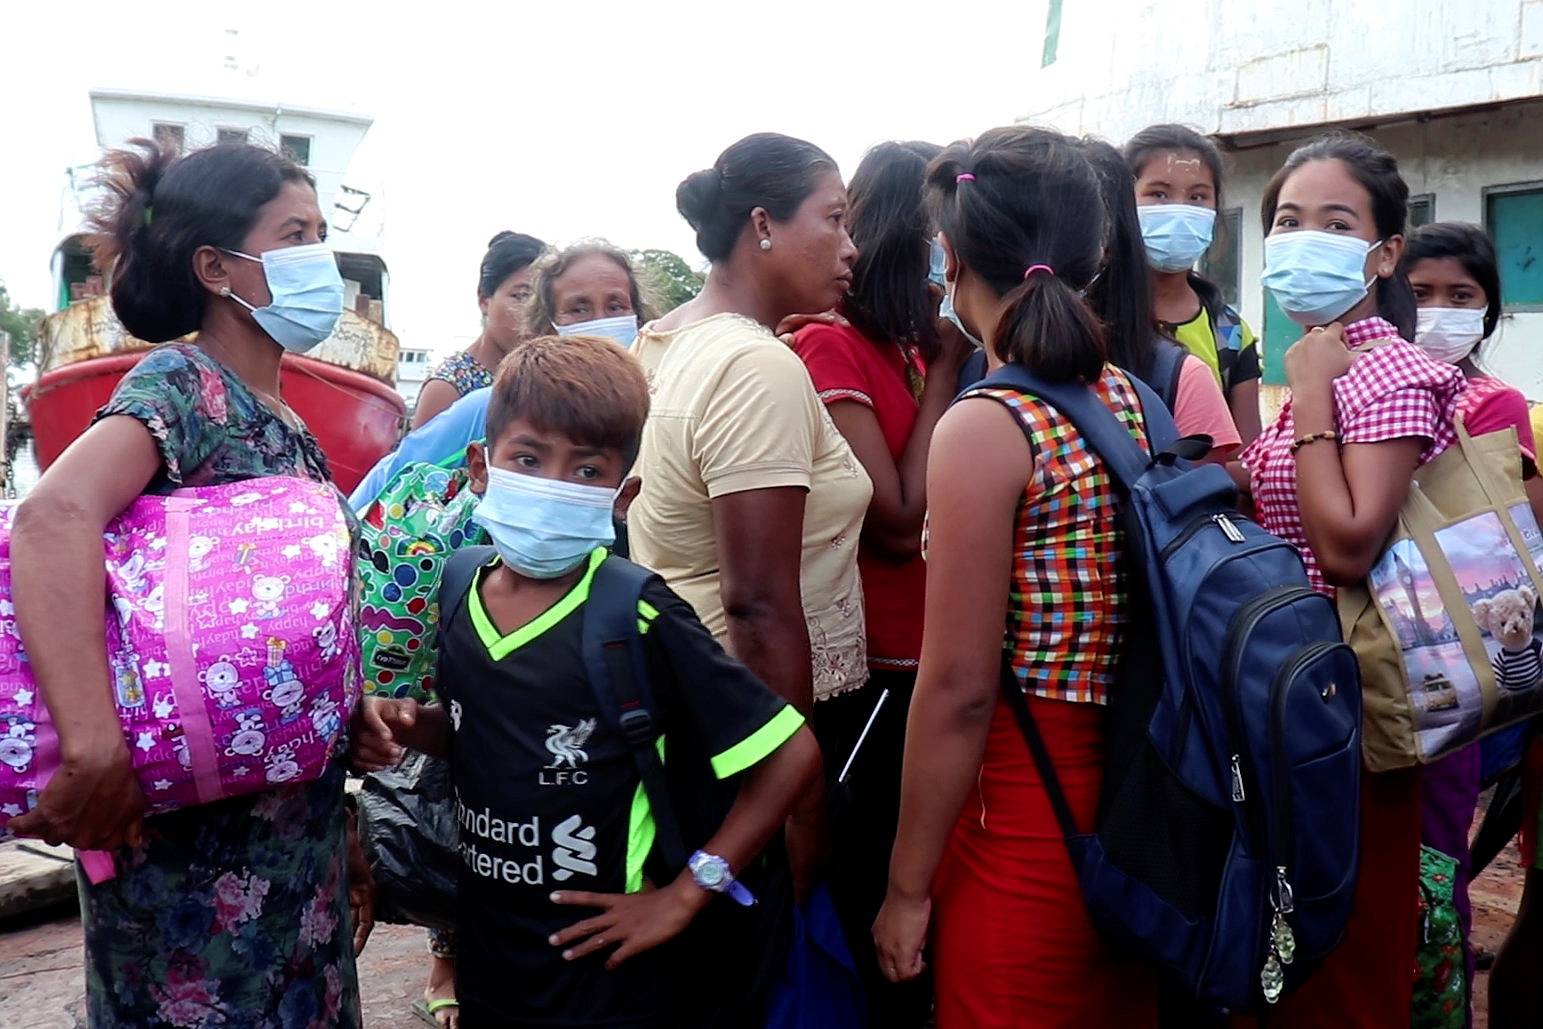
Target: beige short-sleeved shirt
x,y
734,410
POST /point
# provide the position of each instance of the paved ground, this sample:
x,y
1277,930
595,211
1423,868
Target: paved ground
x,y
41,986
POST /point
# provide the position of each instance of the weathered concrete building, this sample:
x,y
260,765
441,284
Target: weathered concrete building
x,y
1453,89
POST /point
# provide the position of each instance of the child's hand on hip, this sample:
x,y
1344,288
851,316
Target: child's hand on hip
x,y
630,922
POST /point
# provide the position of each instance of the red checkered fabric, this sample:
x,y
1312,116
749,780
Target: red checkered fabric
x,y
1067,603
1393,391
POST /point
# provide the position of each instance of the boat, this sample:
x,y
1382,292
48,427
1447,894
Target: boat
x,y
344,390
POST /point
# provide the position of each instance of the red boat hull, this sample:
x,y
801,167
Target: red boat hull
x,y
355,418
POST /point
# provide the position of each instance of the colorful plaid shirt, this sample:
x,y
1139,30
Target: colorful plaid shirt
x,y
1067,602
1393,391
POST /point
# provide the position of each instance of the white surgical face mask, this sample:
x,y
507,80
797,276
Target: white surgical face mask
x,y
623,328
1449,333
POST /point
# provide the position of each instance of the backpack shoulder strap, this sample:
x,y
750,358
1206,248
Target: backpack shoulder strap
x,y
1226,317
1012,691
456,579
616,666
1102,429
1167,366
972,371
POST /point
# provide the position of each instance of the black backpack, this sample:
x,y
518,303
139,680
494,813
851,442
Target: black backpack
x,y
735,954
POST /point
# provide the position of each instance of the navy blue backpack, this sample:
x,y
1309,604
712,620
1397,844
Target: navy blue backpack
x,y
1227,836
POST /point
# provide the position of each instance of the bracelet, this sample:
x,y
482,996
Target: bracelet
x,y
1312,437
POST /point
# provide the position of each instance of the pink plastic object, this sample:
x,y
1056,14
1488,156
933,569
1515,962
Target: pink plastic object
x,y
230,641
98,865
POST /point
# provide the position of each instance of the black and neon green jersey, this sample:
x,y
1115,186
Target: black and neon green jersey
x,y
548,796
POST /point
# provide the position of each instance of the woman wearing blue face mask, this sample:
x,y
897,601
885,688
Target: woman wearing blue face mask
x,y
588,289
1178,183
237,910
1121,297
1367,408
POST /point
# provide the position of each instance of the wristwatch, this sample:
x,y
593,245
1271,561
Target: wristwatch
x,y
712,873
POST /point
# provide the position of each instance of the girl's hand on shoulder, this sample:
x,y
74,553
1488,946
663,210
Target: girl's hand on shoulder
x,y
1318,358
793,322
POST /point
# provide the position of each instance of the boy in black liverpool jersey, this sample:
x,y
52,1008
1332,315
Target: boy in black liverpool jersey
x,y
558,924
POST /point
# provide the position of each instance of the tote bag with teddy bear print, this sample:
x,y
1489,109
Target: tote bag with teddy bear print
x,y
1446,625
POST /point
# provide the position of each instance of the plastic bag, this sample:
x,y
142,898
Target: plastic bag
x,y
409,834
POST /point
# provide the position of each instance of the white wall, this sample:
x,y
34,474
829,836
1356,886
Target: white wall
x,y
1241,66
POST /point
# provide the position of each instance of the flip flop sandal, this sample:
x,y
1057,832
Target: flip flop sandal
x,y
428,1010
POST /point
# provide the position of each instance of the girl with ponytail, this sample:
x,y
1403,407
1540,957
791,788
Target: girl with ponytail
x,y
1024,564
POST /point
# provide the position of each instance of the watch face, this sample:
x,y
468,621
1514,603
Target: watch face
x,y
710,873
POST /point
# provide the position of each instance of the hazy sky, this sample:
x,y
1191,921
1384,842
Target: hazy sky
x,y
564,119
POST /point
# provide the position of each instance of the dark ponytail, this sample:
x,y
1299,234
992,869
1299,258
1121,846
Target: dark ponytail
x,y
158,209
1377,172
1021,208
1122,296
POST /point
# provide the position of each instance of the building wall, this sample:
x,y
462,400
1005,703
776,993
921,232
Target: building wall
x,y
333,139
1454,88
1232,68
1455,159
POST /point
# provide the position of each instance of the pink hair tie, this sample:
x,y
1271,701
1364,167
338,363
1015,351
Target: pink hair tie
x,y
1039,268
963,177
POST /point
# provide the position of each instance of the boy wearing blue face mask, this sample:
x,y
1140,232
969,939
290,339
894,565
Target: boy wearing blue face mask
x,y
564,902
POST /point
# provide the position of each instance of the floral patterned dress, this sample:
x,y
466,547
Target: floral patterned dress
x,y
232,914
464,372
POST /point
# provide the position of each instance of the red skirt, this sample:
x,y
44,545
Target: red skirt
x,y
1012,943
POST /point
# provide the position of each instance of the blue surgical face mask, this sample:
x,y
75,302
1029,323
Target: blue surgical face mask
x,y
544,528
307,295
936,264
946,310
1316,276
1175,234
623,328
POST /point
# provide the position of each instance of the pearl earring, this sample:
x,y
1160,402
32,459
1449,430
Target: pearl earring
x,y
224,291
765,244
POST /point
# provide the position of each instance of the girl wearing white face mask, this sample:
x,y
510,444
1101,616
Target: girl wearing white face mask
x,y
1456,281
588,289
